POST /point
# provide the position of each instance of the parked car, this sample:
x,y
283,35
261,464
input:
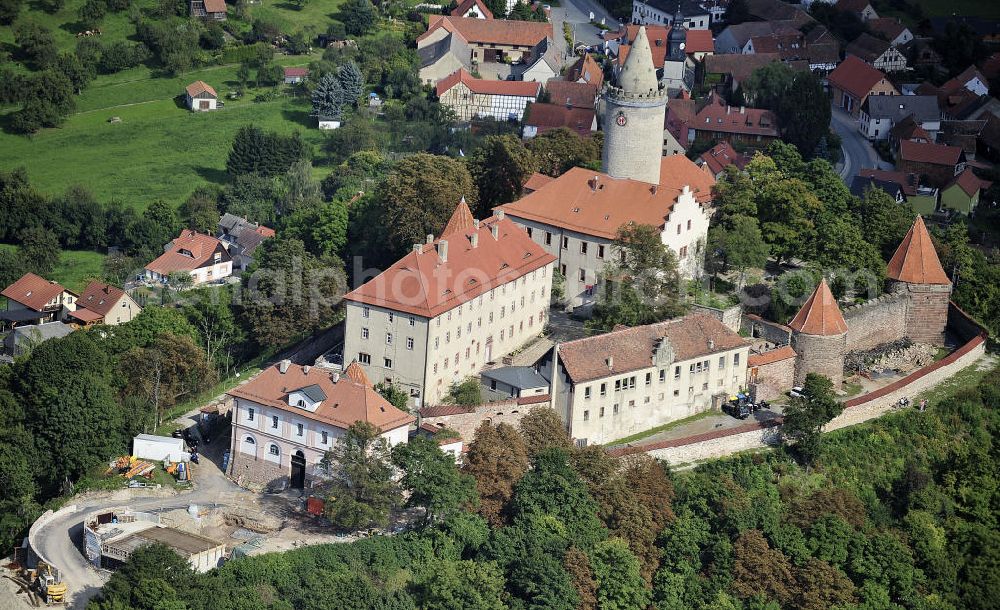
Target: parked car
x,y
797,392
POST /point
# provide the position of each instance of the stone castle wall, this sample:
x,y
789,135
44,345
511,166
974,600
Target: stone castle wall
x,y
881,320
774,379
927,314
256,473
758,327
502,411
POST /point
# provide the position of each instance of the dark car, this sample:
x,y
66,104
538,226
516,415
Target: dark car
x,y
739,409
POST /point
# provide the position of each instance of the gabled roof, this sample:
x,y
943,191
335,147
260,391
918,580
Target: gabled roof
x,y
488,87
33,291
347,400
594,203
630,349
536,181
545,117
738,67
452,45
215,6
198,87
855,77
776,10
853,6
915,260
908,182
313,392
462,9
890,28
679,118
490,31
45,331
908,129
699,41
100,297
861,184
425,284
776,355
820,314
356,372
897,107
293,72
191,250
969,182
935,154
717,116
585,69
721,156
520,377
566,93
868,47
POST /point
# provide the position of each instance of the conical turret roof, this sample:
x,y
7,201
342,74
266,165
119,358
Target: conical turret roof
x,y
355,372
638,75
820,315
915,260
461,220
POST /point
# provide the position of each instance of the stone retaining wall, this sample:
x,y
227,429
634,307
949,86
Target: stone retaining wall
x,y
465,421
731,317
758,327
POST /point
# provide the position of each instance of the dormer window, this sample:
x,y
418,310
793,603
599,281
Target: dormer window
x,y
301,403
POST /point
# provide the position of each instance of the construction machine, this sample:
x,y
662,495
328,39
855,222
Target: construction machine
x,y
51,589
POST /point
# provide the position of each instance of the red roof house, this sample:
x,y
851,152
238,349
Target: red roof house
x,y
204,257
853,81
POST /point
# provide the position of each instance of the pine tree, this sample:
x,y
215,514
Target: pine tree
x,y
248,152
352,81
328,98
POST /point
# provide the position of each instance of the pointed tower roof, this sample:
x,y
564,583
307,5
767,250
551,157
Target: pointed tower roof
x,y
820,315
638,75
355,372
461,220
915,260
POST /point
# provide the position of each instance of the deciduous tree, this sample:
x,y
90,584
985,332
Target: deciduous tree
x,y
500,167
364,491
432,479
542,428
616,570
806,416
497,459
559,150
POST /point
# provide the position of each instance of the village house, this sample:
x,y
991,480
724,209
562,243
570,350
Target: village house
x,y
680,116
890,29
33,299
241,238
630,380
513,382
861,8
444,57
103,303
489,40
717,121
963,134
921,198
906,129
204,257
778,10
853,81
725,72
938,162
571,93
294,76
818,50
200,96
860,185
695,14
541,117
476,98
877,53
585,71
214,10
721,156
457,302
286,418
880,113
962,193
473,9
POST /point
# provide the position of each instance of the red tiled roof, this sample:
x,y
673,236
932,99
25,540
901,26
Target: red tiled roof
x,y
85,315
264,231
190,251
775,355
33,291
927,152
820,314
578,95
574,201
357,373
739,67
461,220
100,297
290,72
443,410
716,116
546,117
347,400
490,31
488,87
464,7
587,70
198,87
631,349
679,118
868,47
887,26
721,156
969,182
915,260
423,284
215,6
855,77
536,181
699,41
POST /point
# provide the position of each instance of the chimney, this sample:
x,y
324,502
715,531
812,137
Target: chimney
x,y
283,366
593,183
474,239
495,231
653,188
442,249
475,223
430,238
727,109
711,344
743,110
568,104
500,214
418,248
610,361
335,376
305,369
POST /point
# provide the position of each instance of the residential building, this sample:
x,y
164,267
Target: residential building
x,y
627,381
572,94
473,9
922,198
680,116
734,38
962,193
544,63
880,113
938,162
853,81
490,40
717,121
725,72
200,96
818,50
294,76
540,117
33,299
444,57
906,129
721,156
586,70
476,98
103,303
862,8
877,53
695,15
455,303
241,238
513,382
214,10
22,339
970,79
778,10
891,29
963,134
286,418
203,256
860,185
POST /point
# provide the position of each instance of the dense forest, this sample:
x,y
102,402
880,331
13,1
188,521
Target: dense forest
x,y
897,513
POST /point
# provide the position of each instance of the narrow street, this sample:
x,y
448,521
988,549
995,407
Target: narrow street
x,y
858,152
577,14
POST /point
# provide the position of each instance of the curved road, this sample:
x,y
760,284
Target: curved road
x,y
858,152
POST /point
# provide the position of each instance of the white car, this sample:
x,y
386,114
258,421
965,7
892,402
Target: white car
x,y
797,392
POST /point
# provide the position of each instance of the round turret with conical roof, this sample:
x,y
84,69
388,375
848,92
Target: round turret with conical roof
x,y
915,270
819,337
634,117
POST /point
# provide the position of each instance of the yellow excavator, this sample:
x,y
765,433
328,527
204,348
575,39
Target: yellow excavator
x,y
51,590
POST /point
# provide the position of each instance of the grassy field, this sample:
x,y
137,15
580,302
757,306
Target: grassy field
x,y
972,8
75,267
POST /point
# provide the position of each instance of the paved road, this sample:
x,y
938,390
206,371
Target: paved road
x,y
858,153
577,14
